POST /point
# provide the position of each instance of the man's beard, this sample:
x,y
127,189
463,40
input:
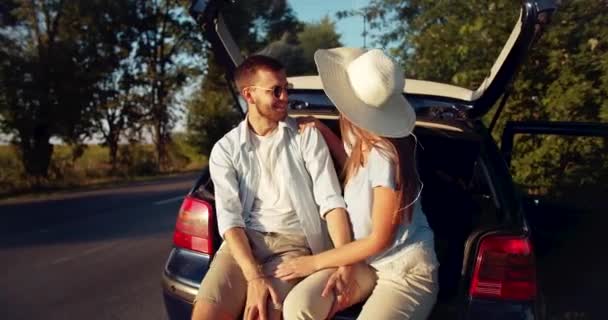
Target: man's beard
x,y
272,114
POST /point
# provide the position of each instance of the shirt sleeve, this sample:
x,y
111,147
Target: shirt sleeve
x,y
326,187
381,170
229,210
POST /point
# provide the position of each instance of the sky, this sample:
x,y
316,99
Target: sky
x,y
351,28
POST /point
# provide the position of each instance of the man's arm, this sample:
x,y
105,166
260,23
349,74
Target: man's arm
x,y
237,241
231,226
320,168
335,144
259,288
326,188
229,209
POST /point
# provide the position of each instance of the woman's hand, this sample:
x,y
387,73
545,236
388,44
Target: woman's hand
x,y
342,283
296,268
308,122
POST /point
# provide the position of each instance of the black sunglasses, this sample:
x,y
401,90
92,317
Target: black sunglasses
x,y
277,91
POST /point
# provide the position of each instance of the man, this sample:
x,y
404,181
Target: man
x,y
273,186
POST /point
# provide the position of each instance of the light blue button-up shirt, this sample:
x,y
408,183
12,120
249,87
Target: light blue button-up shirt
x,y
304,165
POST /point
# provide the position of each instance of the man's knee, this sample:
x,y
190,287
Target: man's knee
x,y
204,310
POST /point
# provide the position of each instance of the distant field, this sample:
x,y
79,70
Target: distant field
x,y
93,167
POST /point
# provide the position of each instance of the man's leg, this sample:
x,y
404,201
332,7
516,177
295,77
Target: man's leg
x,y
207,310
223,290
272,249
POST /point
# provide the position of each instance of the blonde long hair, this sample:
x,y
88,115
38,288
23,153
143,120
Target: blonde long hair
x,y
399,151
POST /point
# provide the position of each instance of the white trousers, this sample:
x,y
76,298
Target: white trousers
x,y
389,295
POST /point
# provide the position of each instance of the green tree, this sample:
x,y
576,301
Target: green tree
x,y
565,77
52,57
211,111
317,35
211,108
296,51
166,58
117,103
288,51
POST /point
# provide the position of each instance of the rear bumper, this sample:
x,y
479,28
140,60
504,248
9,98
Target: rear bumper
x,y
178,290
501,310
176,308
185,269
180,281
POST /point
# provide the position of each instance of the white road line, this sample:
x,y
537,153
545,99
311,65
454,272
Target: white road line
x,y
60,260
84,253
169,200
101,247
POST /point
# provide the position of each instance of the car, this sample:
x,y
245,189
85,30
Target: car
x,y
483,239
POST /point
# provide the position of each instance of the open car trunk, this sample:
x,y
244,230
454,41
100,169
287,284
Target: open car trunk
x,y
534,16
457,199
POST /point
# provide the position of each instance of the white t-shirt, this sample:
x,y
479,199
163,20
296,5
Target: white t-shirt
x,y
358,194
272,210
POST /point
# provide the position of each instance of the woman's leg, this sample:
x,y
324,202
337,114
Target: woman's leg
x,y
304,301
394,297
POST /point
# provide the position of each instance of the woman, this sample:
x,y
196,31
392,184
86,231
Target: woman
x,y
391,262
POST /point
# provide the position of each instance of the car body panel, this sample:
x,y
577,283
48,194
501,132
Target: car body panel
x,y
181,279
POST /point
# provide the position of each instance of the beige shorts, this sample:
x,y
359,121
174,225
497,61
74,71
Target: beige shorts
x,y
390,295
225,285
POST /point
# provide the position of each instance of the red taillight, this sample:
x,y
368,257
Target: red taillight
x,y
504,269
193,226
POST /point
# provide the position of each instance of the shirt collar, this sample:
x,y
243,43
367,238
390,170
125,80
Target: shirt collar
x,y
245,136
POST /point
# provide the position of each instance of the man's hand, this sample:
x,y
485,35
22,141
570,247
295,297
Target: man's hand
x,y
296,268
258,292
344,286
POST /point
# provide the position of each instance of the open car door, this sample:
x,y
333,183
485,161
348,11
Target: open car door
x,y
566,228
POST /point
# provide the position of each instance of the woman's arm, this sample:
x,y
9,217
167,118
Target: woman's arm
x,y
381,236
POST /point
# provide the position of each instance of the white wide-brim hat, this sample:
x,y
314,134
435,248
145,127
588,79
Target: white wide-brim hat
x,y
367,88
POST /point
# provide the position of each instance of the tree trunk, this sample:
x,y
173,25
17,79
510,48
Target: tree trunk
x,y
36,152
113,146
161,146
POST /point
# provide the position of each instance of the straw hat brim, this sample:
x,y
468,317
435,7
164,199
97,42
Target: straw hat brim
x,y
395,118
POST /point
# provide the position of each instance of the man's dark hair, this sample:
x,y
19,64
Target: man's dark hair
x,y
246,71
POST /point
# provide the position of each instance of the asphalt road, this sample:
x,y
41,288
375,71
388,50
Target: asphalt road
x,y
99,255
95,255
